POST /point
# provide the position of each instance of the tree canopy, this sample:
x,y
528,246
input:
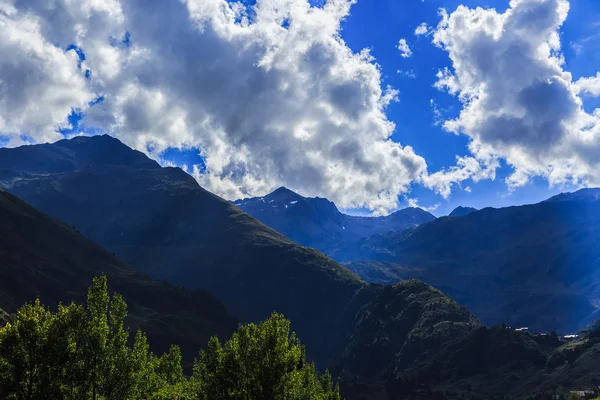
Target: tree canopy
x,y
87,352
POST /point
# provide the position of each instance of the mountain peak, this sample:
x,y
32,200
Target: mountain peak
x,y
461,211
73,154
283,192
105,150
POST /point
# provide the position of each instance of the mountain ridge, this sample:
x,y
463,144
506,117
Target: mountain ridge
x,y
461,211
533,265
318,223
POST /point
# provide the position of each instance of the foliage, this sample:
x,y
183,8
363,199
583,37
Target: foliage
x,y
264,361
86,353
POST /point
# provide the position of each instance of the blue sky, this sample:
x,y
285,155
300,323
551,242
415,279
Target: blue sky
x,y
260,103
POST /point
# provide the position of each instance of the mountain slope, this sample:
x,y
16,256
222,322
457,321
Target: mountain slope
x,y
161,222
386,273
536,265
41,257
400,326
499,363
316,222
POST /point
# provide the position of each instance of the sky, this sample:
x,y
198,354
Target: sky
x,y
376,105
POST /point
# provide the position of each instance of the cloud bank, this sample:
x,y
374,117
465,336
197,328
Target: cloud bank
x,y
271,94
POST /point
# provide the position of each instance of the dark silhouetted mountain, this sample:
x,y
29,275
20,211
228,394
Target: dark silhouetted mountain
x,y
401,326
535,265
461,211
161,222
502,363
316,222
41,257
412,341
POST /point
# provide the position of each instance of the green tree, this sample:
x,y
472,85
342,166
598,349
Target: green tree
x,y
260,362
65,348
84,353
96,334
169,366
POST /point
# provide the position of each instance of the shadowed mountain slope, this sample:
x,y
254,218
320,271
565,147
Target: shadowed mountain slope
x,y
42,257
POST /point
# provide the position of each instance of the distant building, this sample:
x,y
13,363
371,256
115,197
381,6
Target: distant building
x,y
570,338
584,394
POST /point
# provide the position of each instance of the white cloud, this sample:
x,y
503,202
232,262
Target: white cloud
x,y
437,114
271,95
422,29
466,168
405,51
519,103
589,85
414,203
39,82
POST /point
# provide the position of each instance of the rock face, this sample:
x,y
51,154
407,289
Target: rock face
x,y
318,223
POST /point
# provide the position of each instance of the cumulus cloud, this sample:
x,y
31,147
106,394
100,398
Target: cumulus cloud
x,y
405,51
465,168
269,93
519,102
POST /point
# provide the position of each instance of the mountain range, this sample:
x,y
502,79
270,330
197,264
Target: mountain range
x,y
317,222
535,265
381,341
